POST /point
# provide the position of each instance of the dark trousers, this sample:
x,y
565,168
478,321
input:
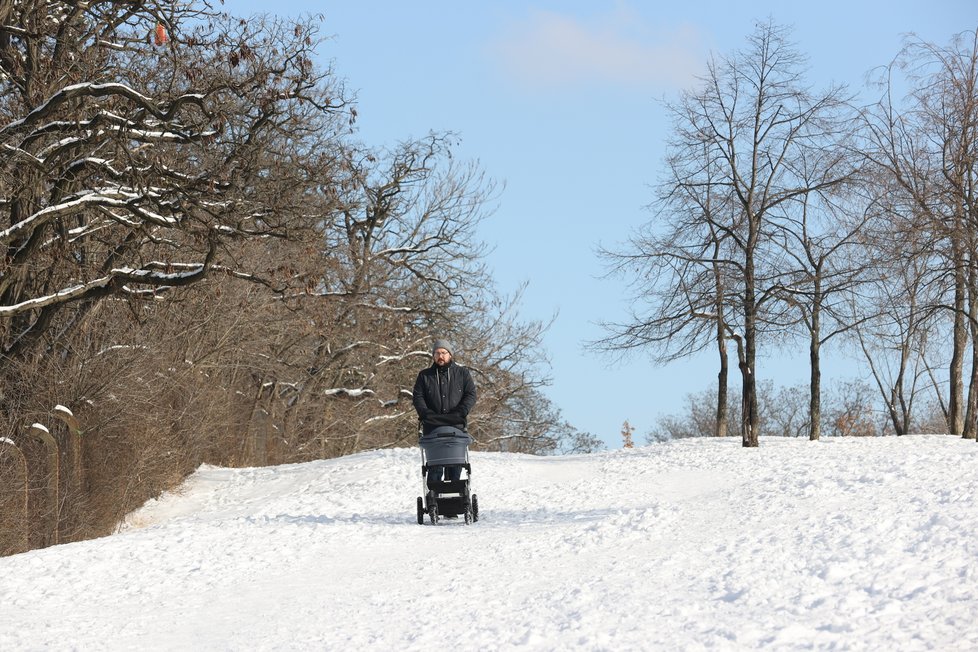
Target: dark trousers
x,y
436,474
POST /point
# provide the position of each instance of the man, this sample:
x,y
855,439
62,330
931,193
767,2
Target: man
x,y
444,394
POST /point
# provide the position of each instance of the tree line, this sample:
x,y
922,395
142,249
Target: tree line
x,y
790,217
203,264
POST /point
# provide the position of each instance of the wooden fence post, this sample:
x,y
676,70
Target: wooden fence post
x,y
9,444
41,432
74,447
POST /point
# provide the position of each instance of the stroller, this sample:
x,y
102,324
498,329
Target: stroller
x,y
446,448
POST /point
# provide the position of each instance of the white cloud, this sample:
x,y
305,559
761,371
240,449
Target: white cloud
x,y
550,50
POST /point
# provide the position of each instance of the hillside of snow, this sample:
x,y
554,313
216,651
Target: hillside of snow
x,y
842,544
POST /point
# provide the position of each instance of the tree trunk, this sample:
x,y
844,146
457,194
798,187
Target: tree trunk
x,y
747,429
901,419
815,390
971,413
721,422
815,365
749,406
959,343
722,375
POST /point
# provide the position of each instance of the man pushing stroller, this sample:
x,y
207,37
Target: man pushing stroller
x,y
444,394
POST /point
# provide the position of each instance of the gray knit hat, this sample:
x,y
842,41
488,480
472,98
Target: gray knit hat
x,y
442,344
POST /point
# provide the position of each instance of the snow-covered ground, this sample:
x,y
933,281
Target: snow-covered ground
x,y
843,544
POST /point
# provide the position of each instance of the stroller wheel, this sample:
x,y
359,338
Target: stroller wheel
x,y
468,505
475,508
432,508
420,510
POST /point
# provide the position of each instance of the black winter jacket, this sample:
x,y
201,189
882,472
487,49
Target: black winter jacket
x,y
444,396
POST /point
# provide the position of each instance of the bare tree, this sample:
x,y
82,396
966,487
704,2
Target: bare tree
x,y
928,146
751,140
851,413
828,264
679,272
679,302
401,261
783,411
892,333
510,367
696,420
132,163
151,148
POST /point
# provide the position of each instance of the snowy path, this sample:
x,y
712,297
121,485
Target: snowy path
x,y
850,544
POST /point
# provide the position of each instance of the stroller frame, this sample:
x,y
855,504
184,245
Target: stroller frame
x,y
446,447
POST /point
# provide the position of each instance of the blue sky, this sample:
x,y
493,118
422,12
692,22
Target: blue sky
x,y
561,101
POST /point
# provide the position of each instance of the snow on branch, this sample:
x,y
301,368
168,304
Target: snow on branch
x,y
18,152
153,277
352,393
385,417
77,91
384,359
108,198
116,277
62,296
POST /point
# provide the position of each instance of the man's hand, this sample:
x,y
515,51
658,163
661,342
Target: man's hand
x,y
452,418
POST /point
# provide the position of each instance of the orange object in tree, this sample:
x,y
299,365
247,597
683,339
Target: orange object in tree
x,y
160,34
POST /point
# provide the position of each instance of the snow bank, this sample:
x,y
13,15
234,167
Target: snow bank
x,y
855,544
